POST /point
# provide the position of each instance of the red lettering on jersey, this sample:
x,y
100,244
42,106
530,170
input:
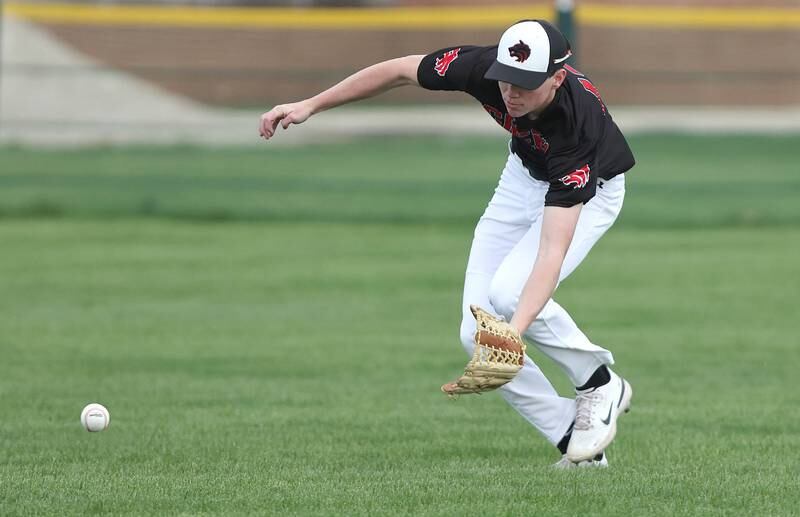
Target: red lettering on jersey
x,y
443,63
577,179
504,119
496,114
508,125
589,87
539,142
572,70
507,122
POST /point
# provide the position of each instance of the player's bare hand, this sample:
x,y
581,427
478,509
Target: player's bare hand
x,y
285,115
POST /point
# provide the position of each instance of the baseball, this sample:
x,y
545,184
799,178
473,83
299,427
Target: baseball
x,y
95,417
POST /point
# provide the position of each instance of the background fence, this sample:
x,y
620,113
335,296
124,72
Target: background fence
x,y
82,63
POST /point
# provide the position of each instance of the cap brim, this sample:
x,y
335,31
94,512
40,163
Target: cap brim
x,y
508,74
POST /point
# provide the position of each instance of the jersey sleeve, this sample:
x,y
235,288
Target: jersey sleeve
x,y
450,69
573,178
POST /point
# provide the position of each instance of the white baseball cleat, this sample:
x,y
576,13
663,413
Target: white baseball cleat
x,y
599,461
596,415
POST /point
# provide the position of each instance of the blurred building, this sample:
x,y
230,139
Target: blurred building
x,y
133,71
701,53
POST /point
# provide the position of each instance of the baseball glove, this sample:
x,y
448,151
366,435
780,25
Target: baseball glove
x,y
499,354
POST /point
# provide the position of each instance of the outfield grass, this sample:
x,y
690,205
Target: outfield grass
x,y
682,181
269,331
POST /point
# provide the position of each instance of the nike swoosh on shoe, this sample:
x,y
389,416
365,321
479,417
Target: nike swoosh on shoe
x,y
607,420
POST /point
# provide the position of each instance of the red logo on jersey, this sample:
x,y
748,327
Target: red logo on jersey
x,y
577,179
521,51
443,63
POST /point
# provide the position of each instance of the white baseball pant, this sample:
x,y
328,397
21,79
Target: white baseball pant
x,y
503,252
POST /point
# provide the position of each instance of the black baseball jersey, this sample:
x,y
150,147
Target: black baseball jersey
x,y
571,144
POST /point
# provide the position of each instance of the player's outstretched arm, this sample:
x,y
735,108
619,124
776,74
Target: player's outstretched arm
x,y
365,83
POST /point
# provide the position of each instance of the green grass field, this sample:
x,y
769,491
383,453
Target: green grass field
x,y
269,328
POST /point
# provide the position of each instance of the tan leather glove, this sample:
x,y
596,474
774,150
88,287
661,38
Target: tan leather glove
x,y
499,354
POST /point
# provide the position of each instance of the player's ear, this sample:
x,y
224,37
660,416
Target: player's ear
x,y
558,77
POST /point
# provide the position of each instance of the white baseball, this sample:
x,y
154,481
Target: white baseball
x,y
95,417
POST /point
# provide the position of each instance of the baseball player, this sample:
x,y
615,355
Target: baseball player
x,y
561,188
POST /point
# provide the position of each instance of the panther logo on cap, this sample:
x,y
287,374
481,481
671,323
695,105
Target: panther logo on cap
x,y
521,51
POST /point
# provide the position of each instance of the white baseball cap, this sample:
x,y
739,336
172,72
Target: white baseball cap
x,y
529,52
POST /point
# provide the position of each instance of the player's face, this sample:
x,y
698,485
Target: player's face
x,y
520,102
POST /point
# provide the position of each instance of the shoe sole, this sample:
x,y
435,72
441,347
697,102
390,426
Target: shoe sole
x,y
624,407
